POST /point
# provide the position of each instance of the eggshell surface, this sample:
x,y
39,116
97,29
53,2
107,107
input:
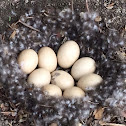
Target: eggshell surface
x,y
67,54
47,59
89,81
82,67
52,90
39,77
28,60
62,79
73,92
53,124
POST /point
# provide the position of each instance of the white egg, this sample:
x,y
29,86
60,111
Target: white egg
x,y
89,81
39,77
28,60
67,54
47,59
52,90
73,92
62,79
53,124
82,67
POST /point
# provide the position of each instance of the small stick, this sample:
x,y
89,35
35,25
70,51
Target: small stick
x,y
6,113
10,27
93,102
72,5
110,124
29,17
47,106
46,14
19,21
10,124
110,28
29,26
52,36
87,6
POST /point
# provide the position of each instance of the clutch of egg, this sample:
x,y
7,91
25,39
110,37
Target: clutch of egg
x,y
42,70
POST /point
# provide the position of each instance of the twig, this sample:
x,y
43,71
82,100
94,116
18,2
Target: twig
x,y
47,106
6,113
10,27
29,17
45,14
52,36
72,6
19,21
10,124
16,22
87,6
110,28
82,122
93,102
28,26
110,124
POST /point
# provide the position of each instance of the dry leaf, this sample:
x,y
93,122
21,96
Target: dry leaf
x,y
110,6
13,34
109,124
25,115
98,19
22,120
98,113
14,26
123,113
3,107
121,55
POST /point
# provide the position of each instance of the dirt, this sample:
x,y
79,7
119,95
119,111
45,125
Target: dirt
x,y
112,12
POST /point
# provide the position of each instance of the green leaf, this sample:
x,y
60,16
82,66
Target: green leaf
x,y
9,18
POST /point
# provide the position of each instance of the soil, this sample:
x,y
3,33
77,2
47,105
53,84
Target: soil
x,y
112,12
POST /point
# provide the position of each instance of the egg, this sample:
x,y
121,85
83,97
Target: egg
x,y
62,79
89,81
47,59
53,124
73,92
52,90
82,67
39,77
78,124
67,54
28,60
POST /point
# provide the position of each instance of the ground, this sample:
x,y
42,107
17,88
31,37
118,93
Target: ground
x,y
112,12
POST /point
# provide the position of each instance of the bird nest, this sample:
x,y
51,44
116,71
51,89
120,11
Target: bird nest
x,y
52,27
